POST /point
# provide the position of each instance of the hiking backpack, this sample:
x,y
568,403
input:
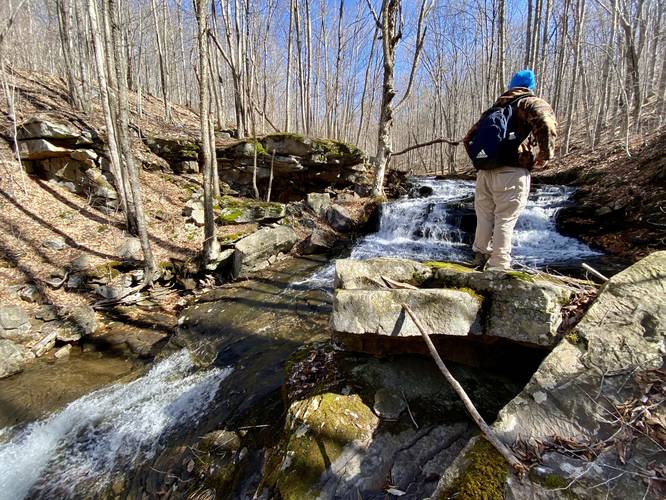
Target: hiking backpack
x,y
495,142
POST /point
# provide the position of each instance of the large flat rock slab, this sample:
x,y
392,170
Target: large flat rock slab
x,y
441,311
368,274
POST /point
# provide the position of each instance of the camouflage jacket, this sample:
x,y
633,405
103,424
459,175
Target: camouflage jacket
x,y
533,118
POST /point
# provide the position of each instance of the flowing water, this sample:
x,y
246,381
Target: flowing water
x,y
248,330
440,227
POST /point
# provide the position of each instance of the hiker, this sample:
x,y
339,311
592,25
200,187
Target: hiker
x,y
500,146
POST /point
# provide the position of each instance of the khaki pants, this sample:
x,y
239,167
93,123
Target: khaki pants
x,y
500,197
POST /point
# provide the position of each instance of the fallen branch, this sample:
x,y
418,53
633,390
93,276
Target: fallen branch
x,y
487,432
594,272
424,144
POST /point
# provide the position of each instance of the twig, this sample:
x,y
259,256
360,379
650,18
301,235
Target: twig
x,y
487,432
409,410
594,272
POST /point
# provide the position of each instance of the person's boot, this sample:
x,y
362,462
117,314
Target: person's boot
x,y
480,260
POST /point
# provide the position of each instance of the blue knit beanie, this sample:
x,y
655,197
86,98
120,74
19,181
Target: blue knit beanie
x,y
523,78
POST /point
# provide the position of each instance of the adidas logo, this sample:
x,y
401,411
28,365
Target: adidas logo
x,y
512,136
482,154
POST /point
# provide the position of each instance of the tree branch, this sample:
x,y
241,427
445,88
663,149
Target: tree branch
x,y
487,432
424,144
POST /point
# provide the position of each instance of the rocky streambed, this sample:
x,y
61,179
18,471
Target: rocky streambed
x,y
251,398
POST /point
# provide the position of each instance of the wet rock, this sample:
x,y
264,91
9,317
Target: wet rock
x,y
130,249
318,203
388,404
14,323
13,357
218,441
441,311
55,244
366,274
63,352
253,251
340,218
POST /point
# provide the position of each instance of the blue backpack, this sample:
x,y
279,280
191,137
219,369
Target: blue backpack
x,y
495,142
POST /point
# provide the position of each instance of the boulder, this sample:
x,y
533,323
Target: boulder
x,y
366,274
13,357
63,352
231,210
441,311
80,319
87,156
521,307
318,432
607,367
130,249
30,293
14,323
40,149
253,251
63,331
318,242
318,203
340,218
174,149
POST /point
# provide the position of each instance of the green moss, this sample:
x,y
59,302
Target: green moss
x,y
321,428
574,338
436,264
553,481
475,295
520,275
484,476
258,146
231,210
105,270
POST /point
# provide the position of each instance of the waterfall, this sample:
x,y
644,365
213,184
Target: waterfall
x,y
100,433
430,228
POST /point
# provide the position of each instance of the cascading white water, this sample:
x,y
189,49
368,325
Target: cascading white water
x,y
105,430
428,229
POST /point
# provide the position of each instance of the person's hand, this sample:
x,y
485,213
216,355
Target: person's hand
x,y
540,164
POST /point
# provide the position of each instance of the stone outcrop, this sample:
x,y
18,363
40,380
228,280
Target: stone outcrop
x,y
605,368
255,252
300,165
64,153
452,300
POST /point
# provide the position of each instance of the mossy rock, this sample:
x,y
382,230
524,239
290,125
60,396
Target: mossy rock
x,y
231,210
484,475
318,429
520,275
437,264
108,269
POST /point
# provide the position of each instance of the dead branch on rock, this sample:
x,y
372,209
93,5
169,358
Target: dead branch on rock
x,y
487,432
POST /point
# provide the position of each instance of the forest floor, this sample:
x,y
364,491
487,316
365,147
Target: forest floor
x,y
35,211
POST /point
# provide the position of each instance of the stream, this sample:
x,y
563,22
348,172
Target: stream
x,y
224,366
